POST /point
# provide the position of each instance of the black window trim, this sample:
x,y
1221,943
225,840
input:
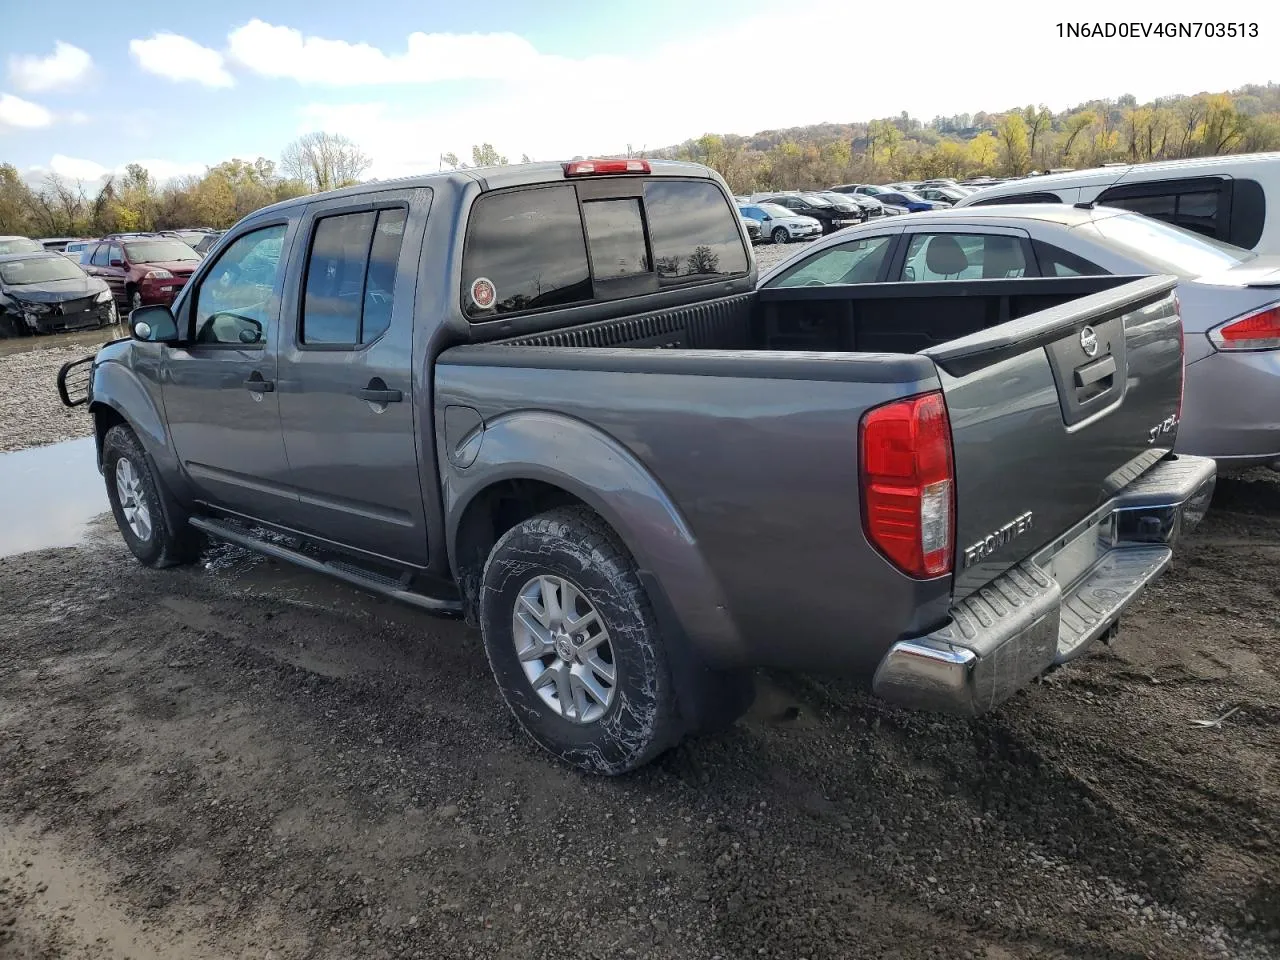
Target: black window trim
x,y
376,208
1222,184
1042,196
193,301
605,189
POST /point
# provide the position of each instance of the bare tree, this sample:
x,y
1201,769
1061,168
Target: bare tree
x,y
324,161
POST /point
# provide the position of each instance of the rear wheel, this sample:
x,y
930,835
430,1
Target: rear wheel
x,y
780,235
574,644
134,493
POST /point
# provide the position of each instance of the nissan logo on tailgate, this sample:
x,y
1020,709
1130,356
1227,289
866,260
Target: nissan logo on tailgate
x,y
1089,342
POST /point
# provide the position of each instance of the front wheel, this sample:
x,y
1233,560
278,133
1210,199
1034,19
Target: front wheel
x,y
574,644
781,236
134,494
135,300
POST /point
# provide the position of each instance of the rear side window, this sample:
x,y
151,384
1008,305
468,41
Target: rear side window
x,y
540,248
693,231
1056,262
351,277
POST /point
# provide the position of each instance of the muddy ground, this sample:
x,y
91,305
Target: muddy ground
x,y
236,760
239,760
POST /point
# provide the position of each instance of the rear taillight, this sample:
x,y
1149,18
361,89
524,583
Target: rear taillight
x,y
908,484
587,168
1256,331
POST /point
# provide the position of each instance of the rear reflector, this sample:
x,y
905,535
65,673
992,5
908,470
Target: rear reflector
x,y
1182,351
587,168
1257,331
908,484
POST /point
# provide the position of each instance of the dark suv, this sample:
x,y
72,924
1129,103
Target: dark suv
x,y
141,269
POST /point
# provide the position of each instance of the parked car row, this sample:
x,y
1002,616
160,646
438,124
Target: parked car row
x,y
66,283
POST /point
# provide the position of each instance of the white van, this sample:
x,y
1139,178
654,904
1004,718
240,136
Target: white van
x,y
1231,198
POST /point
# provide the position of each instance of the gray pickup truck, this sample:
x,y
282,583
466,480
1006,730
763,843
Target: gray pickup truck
x,y
549,398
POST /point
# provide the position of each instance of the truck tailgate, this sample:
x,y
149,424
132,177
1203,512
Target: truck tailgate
x,y
1052,414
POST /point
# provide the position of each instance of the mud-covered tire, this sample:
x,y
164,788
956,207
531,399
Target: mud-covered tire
x,y
161,546
575,544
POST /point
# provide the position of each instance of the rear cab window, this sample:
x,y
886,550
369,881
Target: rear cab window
x,y
562,244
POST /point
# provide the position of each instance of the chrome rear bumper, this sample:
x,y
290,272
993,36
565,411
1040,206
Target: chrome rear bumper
x,y
1049,608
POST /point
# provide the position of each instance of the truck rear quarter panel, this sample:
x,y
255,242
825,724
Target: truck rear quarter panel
x,y
755,455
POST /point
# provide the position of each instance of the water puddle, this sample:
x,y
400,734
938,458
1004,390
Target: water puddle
x,y
48,496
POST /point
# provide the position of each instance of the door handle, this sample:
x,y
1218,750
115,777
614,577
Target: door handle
x,y
255,384
374,395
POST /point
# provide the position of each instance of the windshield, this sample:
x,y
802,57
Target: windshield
x,y
1167,248
908,195
20,245
876,191
19,273
190,237
773,210
815,201
159,251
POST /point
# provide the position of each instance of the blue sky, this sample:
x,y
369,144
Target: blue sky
x,y
180,86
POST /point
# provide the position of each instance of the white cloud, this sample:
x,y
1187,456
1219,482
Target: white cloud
x,y
76,168
19,114
73,168
181,58
553,107
276,51
62,68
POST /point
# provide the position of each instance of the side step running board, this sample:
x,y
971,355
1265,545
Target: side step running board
x,y
339,569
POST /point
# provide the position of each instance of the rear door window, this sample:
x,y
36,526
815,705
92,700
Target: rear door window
x,y
350,283
960,256
99,258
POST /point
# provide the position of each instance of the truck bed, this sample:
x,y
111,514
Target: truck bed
x,y
744,413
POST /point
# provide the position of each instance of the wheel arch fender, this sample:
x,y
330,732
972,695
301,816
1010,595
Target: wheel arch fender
x,y
589,465
119,396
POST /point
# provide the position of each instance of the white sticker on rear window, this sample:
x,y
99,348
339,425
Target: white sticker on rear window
x,y
483,293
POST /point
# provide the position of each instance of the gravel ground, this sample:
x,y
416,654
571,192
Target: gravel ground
x,y
30,412
236,760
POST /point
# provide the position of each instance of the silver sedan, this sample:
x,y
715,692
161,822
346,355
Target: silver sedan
x,y
1230,298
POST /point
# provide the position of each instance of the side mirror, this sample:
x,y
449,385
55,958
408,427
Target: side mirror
x,y
155,324
117,263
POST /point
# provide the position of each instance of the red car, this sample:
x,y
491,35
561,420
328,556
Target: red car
x,y
141,270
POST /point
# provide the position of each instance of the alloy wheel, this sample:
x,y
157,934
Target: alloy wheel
x,y
564,648
133,502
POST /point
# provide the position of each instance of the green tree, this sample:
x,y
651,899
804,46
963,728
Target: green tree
x,y
1012,131
486,156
